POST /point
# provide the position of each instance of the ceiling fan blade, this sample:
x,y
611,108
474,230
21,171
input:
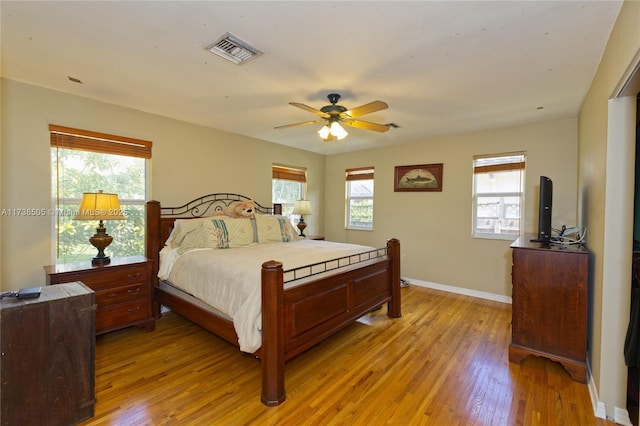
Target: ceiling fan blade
x,y
299,124
310,109
367,109
367,125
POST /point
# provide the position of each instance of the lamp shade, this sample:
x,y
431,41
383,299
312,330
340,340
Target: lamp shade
x,y
324,132
99,206
302,207
337,130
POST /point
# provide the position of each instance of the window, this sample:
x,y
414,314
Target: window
x,y
498,183
84,161
288,184
359,200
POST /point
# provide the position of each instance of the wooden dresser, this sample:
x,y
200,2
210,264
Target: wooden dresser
x,y
48,357
124,292
550,297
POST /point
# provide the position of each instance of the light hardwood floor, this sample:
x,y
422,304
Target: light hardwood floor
x,y
445,362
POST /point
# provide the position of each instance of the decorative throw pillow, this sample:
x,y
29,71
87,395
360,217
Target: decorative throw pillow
x,y
272,229
182,227
203,236
233,232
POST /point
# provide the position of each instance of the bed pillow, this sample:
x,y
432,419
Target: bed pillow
x,y
183,227
293,232
204,235
274,229
232,232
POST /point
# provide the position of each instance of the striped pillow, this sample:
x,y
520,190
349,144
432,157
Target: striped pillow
x,y
272,229
233,232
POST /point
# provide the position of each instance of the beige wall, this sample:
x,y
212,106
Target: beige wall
x,y
605,179
188,161
434,228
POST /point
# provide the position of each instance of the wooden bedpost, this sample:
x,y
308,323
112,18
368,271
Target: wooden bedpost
x,y
272,350
152,246
394,308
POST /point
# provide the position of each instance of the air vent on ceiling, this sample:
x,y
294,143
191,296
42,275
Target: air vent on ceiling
x,y
234,49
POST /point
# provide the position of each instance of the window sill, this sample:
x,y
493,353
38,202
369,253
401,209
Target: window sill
x,y
508,237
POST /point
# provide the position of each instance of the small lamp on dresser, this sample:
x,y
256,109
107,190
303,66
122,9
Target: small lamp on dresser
x,y
302,207
100,206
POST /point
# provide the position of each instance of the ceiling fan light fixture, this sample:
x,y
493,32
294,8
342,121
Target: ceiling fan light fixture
x,y
334,114
324,132
337,130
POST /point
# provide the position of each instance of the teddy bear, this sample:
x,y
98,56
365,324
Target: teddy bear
x,y
237,209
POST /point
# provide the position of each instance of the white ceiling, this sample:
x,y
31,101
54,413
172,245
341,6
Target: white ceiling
x,y
442,66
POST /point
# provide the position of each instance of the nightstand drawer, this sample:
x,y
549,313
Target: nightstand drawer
x,y
122,294
99,280
116,316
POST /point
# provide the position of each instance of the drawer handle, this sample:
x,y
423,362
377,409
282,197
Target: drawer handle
x,y
132,276
134,311
136,291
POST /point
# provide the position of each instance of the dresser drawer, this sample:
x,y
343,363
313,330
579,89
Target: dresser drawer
x,y
115,316
122,294
99,280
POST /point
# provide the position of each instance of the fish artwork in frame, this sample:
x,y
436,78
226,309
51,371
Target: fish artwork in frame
x,y
419,178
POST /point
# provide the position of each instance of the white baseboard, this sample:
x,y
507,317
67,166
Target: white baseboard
x,y
599,409
621,416
460,290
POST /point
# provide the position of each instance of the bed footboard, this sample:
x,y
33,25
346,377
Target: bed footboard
x,y
293,320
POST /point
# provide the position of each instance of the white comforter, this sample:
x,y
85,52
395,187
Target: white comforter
x,y
229,279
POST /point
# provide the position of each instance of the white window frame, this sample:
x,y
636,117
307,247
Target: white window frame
x,y
499,163
354,176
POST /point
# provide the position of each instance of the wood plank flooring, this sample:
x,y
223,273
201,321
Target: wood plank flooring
x,y
445,362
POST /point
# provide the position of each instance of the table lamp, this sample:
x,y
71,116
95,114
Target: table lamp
x,y
302,207
100,206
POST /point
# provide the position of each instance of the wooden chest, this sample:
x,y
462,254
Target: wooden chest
x,y
47,367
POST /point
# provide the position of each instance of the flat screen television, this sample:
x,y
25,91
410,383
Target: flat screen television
x,y
544,210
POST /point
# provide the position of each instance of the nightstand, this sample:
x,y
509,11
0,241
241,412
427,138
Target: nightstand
x,y
314,237
123,288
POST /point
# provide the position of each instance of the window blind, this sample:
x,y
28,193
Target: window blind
x,y
70,138
360,173
498,163
289,173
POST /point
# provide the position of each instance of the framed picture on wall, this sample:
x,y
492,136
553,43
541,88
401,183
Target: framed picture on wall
x,y
419,178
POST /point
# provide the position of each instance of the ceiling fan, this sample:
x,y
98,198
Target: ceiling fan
x,y
332,115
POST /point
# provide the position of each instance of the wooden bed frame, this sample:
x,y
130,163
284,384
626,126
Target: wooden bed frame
x,y
293,320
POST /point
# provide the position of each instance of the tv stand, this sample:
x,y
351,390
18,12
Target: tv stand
x,y
549,310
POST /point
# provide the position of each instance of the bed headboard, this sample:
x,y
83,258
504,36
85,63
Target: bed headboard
x,y
204,206
160,219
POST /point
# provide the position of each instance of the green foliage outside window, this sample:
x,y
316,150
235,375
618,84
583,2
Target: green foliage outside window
x,y
361,213
75,172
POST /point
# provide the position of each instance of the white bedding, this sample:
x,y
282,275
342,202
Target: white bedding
x,y
229,279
